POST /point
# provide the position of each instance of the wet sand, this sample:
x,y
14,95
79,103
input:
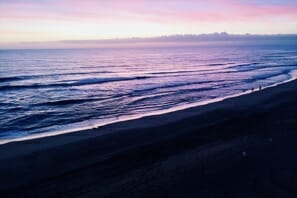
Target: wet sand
x,y
240,147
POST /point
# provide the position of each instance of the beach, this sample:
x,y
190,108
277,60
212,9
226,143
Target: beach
x,y
240,147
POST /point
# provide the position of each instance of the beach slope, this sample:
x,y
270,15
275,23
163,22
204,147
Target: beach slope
x,y
240,147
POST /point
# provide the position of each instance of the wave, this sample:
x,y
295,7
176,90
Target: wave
x,y
245,65
12,78
190,71
239,68
258,66
132,94
177,72
66,102
216,64
173,85
87,81
78,100
267,76
26,77
169,94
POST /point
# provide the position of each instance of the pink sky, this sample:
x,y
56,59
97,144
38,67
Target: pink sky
x,y
50,20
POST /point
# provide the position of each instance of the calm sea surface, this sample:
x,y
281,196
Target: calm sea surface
x,y
51,90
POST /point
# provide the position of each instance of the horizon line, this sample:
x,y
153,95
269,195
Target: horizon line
x,y
134,41
213,35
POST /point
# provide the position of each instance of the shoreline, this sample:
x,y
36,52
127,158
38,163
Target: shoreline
x,y
234,138
144,115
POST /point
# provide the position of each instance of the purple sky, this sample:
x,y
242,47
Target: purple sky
x,y
50,20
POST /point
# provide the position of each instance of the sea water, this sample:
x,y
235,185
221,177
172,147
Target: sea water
x,y
52,89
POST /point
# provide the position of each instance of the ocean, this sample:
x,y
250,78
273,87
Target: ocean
x,y
50,90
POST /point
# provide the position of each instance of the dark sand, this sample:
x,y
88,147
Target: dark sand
x,y
240,147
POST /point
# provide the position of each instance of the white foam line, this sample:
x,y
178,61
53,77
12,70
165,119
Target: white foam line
x,y
127,118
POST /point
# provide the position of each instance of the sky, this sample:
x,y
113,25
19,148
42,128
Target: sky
x,y
52,20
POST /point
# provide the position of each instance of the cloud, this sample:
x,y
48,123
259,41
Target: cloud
x,y
56,19
147,10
